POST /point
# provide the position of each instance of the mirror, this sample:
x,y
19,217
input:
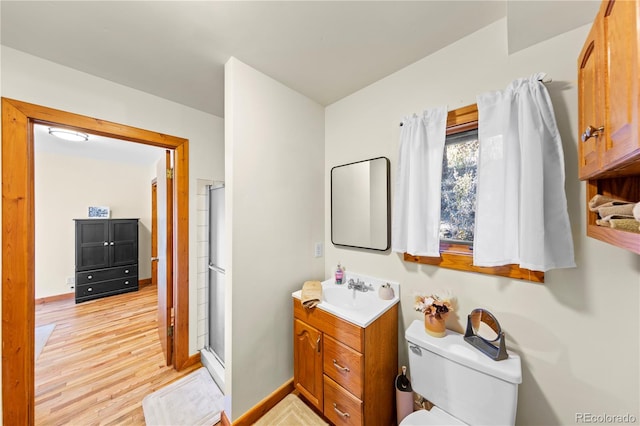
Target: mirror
x,y
485,334
360,204
485,325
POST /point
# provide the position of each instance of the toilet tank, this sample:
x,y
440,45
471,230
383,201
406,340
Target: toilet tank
x,y
461,380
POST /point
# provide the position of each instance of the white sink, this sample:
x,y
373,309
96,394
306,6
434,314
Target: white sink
x,y
358,307
342,297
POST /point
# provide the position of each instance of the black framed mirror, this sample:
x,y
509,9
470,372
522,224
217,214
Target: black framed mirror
x,y
360,204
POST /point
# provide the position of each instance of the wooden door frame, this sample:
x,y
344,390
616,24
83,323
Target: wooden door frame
x,y
18,240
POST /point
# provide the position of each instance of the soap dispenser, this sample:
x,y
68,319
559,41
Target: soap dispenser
x,y
339,275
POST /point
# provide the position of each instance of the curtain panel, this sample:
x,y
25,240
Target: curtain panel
x,y
416,214
521,207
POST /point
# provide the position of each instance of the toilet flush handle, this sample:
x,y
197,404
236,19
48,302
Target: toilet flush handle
x,y
415,349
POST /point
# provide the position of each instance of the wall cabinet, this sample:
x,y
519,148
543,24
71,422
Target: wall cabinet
x,y
346,371
608,102
106,257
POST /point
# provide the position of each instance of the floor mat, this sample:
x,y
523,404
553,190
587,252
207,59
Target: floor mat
x,y
291,411
193,400
42,335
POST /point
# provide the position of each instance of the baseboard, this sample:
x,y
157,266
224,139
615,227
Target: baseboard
x,y
144,282
55,298
259,410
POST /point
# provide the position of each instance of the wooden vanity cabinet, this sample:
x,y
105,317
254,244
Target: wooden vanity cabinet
x,y
609,99
346,371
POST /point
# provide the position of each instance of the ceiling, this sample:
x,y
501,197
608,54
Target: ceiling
x,y
326,50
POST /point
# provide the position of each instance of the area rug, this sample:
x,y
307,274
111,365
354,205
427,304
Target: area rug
x,y
42,335
291,411
193,400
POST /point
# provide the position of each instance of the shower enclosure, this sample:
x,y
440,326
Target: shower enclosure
x,y
213,353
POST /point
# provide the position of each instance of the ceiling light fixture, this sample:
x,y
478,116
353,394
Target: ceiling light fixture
x,y
69,135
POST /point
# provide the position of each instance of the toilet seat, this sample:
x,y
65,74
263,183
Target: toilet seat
x,y
435,417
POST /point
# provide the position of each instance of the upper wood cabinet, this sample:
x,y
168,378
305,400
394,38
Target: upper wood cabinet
x,y
608,94
608,122
591,99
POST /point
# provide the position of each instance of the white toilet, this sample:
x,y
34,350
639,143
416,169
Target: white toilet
x,y
465,385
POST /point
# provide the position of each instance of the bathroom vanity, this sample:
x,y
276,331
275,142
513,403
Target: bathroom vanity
x,y
346,361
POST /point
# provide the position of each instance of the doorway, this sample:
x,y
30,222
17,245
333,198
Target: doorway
x,y
18,236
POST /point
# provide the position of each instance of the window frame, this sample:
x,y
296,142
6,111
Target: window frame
x,y
460,256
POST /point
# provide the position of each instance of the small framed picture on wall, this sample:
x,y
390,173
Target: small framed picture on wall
x,y
99,212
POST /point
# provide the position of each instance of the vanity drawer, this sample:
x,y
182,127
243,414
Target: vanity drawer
x,y
340,407
344,365
87,277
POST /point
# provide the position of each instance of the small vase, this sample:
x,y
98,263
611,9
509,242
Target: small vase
x,y
435,326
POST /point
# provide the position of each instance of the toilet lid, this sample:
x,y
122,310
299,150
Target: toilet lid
x,y
435,417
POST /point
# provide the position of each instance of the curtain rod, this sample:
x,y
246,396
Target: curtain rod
x,y
544,80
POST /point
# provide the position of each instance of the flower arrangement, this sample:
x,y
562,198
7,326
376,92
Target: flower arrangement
x,y
433,305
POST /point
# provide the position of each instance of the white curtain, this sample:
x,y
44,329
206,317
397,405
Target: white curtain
x,y
521,210
416,212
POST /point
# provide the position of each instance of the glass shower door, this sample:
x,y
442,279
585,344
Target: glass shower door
x,y
216,272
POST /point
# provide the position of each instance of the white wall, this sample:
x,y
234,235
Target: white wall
x,y
31,79
577,333
274,141
64,187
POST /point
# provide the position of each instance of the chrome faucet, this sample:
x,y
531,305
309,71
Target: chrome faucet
x,y
359,285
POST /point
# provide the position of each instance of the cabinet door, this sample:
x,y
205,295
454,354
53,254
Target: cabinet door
x,y
307,362
92,244
123,244
621,82
590,99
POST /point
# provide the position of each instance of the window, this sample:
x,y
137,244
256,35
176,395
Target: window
x,y
459,177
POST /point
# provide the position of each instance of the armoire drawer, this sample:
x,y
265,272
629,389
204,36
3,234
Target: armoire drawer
x,y
340,407
111,286
87,277
344,365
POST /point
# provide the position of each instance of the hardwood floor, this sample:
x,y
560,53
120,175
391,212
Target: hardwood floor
x,y
102,359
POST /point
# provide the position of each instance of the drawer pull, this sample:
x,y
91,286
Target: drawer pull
x,y
339,367
318,344
106,243
340,413
126,271
89,289
89,277
126,283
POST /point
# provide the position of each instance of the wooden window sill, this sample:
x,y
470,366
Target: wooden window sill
x,y
460,257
